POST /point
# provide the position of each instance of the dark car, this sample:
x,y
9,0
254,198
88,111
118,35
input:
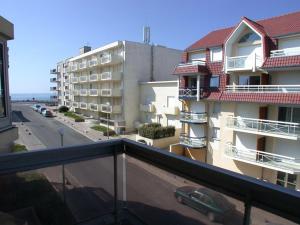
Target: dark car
x,y
207,201
47,113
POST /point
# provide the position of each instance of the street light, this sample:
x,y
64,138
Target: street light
x,y
61,132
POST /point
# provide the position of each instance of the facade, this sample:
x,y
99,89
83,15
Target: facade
x,y
240,88
104,83
8,133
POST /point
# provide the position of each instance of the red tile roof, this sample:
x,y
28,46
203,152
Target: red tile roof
x,y
275,26
285,61
190,69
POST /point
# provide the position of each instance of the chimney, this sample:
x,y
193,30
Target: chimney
x,y
84,49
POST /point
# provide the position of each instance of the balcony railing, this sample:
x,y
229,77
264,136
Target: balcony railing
x,y
82,65
75,104
249,62
53,71
264,159
285,52
106,108
83,79
264,88
107,76
93,77
286,130
83,105
190,117
74,80
75,92
53,80
147,107
193,63
93,92
83,92
188,93
110,59
93,62
74,67
53,88
110,181
111,92
93,107
192,142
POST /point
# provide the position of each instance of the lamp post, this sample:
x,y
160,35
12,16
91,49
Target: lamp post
x,y
61,133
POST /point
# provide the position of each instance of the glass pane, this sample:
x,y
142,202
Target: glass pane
x,y
292,178
280,175
280,182
2,84
284,114
243,80
254,80
259,216
214,81
296,115
159,197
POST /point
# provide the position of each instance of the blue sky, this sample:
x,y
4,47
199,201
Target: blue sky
x,y
48,31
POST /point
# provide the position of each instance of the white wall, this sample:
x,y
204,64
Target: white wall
x,y
197,107
287,147
247,110
196,130
285,78
245,141
290,42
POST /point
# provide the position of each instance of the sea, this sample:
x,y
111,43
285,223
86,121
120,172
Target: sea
x,y
30,96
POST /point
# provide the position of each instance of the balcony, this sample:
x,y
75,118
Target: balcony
x,y
93,107
93,77
190,117
74,80
74,68
110,108
82,65
193,67
68,103
93,92
150,108
75,104
264,159
109,59
108,182
83,79
110,76
93,62
243,63
112,92
83,105
263,88
271,128
53,71
285,52
53,80
53,97
83,92
188,93
192,142
76,92
53,88
171,110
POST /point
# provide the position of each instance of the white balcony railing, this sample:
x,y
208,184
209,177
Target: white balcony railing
x,y
83,92
264,159
193,63
110,59
76,92
280,129
110,76
93,62
112,92
249,62
105,59
93,92
190,117
83,105
53,88
75,105
264,88
82,65
74,67
147,108
106,108
93,107
74,80
188,93
193,142
93,77
83,79
285,52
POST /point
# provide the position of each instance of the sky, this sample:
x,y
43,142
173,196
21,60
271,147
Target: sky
x,y
49,31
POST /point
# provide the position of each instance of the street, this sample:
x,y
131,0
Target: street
x,y
90,183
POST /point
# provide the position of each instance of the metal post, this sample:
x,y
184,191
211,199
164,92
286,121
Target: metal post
x,y
247,212
61,132
116,187
107,124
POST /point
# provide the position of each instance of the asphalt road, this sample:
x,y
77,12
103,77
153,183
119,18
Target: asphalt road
x,y
90,183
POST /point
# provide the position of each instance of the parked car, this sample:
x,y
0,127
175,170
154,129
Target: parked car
x,y
206,201
47,113
41,109
36,107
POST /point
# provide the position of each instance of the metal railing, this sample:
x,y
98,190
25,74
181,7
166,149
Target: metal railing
x,y
83,79
268,127
270,160
248,62
106,108
285,52
264,88
193,142
74,67
93,92
93,107
82,65
105,59
187,92
118,153
193,63
83,105
83,92
191,117
93,77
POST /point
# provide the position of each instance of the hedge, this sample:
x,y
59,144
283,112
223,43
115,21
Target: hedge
x,y
63,109
156,131
77,118
104,130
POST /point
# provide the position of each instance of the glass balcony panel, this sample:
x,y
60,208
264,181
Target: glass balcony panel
x,y
193,142
93,92
191,117
93,77
263,88
83,78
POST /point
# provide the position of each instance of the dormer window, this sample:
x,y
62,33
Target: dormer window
x,y
249,37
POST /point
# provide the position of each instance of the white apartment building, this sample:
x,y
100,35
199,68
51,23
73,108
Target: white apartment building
x,y
8,133
104,83
240,88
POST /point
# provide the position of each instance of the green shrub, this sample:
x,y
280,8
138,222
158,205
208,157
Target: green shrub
x,y
63,109
79,119
76,117
156,131
19,148
104,130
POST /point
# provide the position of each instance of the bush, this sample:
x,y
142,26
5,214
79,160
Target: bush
x,y
76,118
63,109
19,148
156,131
79,119
104,130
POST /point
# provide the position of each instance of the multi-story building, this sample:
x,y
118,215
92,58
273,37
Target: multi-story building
x,y
104,82
8,133
240,88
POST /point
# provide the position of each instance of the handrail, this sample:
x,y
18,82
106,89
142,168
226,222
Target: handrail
x,y
193,63
193,117
267,121
285,52
263,88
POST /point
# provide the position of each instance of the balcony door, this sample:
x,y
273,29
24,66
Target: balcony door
x,y
289,114
192,82
249,80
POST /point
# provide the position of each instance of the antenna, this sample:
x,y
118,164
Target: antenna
x,y
146,34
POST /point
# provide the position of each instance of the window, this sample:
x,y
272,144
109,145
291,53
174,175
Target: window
x,y
2,83
215,133
194,56
214,81
249,80
289,114
216,54
249,37
286,180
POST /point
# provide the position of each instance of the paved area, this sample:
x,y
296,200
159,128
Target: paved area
x,y
149,191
